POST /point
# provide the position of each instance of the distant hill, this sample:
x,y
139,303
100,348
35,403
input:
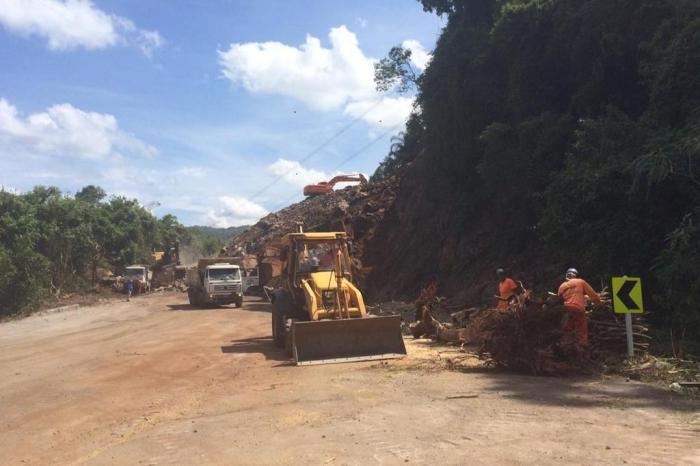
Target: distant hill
x,y
222,234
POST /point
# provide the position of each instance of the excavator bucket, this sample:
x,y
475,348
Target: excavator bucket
x,y
347,340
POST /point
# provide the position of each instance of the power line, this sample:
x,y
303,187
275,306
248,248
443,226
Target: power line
x,y
367,146
316,150
355,154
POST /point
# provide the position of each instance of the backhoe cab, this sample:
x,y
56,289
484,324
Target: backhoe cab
x,y
319,314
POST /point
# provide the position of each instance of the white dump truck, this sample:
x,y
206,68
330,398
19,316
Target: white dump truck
x,y
251,279
141,276
215,280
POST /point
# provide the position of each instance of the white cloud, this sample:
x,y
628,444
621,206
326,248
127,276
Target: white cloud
x,y
193,201
320,77
148,41
70,24
235,211
295,173
66,130
46,175
419,56
203,207
341,76
385,112
362,22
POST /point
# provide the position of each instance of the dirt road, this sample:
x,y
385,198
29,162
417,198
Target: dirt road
x,y
154,382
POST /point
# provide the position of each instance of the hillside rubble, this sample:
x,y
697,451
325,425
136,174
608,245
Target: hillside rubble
x,y
356,210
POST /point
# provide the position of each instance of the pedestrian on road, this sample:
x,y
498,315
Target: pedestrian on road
x,y
574,293
129,289
507,288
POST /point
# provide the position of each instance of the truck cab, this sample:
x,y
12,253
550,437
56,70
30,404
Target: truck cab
x,y
140,275
215,283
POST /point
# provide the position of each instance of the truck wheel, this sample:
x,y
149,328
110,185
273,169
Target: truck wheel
x,y
239,303
280,311
192,298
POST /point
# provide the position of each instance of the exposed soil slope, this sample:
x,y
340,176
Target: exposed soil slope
x,y
356,210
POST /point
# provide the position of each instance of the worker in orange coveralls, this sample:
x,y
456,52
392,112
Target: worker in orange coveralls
x,y
573,292
507,288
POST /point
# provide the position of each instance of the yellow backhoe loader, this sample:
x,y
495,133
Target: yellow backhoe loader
x,y
318,314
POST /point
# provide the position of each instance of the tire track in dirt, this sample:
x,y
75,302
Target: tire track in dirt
x,y
162,384
677,443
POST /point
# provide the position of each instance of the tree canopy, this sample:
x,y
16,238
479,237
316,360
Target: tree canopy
x,y
51,242
569,130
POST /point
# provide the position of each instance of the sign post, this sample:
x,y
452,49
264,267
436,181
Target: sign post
x,y
627,299
630,335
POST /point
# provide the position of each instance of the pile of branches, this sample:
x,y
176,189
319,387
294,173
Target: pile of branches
x,y
608,337
428,326
529,336
530,340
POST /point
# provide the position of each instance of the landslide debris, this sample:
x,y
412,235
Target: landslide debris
x,y
529,335
356,210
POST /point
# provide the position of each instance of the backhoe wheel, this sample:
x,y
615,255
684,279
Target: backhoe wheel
x,y
280,311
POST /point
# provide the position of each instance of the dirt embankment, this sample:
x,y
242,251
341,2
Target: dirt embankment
x,y
357,210
397,248
406,233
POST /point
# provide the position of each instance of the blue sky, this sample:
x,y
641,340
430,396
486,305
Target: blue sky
x,y
198,105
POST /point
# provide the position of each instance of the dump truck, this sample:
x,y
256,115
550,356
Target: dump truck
x,y
318,314
140,275
215,280
251,279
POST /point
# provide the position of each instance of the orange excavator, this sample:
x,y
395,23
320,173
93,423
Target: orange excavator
x,y
326,187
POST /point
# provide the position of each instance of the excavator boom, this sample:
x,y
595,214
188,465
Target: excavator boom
x,y
326,187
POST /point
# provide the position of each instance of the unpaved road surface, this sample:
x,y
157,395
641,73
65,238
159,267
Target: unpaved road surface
x,y
155,382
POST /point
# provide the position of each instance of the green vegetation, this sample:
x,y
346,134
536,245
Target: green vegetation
x,y
564,132
51,243
222,234
209,241
395,72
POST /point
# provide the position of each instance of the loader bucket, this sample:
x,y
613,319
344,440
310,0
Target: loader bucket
x,y
347,340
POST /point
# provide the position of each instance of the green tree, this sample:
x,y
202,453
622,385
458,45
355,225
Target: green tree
x,y
171,232
23,276
51,242
91,194
404,149
554,133
396,71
